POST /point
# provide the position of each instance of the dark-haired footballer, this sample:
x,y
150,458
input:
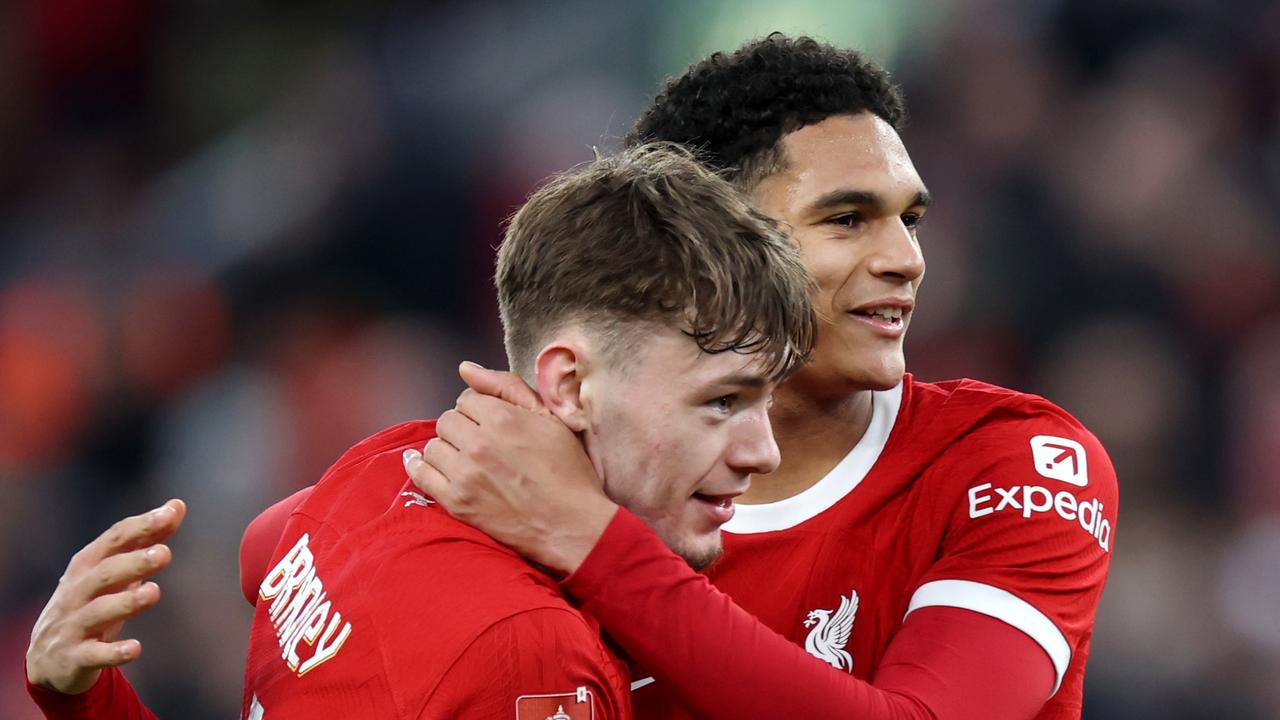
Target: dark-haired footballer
x,y
925,550
636,293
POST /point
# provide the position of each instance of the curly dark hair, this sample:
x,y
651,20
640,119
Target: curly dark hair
x,y
734,109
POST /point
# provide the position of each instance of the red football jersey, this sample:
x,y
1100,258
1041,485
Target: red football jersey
x,y
377,604
960,494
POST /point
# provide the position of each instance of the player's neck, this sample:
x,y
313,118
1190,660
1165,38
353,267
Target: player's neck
x,y
813,435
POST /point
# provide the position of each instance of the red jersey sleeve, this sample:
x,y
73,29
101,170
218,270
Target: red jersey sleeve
x,y
260,540
1030,528
532,666
723,663
111,698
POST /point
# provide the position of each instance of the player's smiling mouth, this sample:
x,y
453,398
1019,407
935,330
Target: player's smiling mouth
x,y
721,500
888,315
719,507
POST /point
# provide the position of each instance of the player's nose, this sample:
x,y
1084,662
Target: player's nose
x,y
754,450
897,253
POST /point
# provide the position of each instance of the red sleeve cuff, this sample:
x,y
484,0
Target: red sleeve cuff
x,y
110,697
60,706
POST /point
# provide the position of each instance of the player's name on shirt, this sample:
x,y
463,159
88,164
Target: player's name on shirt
x,y
301,610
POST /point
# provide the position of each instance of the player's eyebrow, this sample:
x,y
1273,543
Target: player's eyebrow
x,y
868,198
741,380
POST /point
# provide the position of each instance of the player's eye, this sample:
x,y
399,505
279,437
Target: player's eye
x,y
912,221
849,220
723,404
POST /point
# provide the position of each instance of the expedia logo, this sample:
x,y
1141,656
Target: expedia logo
x,y
1058,458
1033,499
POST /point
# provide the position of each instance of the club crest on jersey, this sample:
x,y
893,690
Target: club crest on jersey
x,y
830,633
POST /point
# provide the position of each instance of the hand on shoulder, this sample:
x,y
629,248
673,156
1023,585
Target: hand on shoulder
x,y
504,465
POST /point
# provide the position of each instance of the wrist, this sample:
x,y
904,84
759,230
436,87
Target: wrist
x,y
572,543
40,688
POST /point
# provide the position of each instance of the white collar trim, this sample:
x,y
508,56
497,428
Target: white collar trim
x,y
839,482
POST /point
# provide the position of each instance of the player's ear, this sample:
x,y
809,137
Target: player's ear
x,y
558,372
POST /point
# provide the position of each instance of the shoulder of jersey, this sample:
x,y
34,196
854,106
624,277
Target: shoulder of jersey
x,y
393,439
366,479
987,423
958,407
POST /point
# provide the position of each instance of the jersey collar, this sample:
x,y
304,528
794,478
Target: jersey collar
x,y
836,484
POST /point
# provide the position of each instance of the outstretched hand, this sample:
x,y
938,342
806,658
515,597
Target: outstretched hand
x,y
104,585
502,463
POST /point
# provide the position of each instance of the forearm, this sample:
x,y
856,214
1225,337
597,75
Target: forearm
x,y
110,698
673,622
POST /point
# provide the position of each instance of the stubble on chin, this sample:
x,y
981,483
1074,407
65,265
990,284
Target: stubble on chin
x,y
703,559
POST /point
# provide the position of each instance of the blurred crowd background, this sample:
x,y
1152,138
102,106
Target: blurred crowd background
x,y
236,237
